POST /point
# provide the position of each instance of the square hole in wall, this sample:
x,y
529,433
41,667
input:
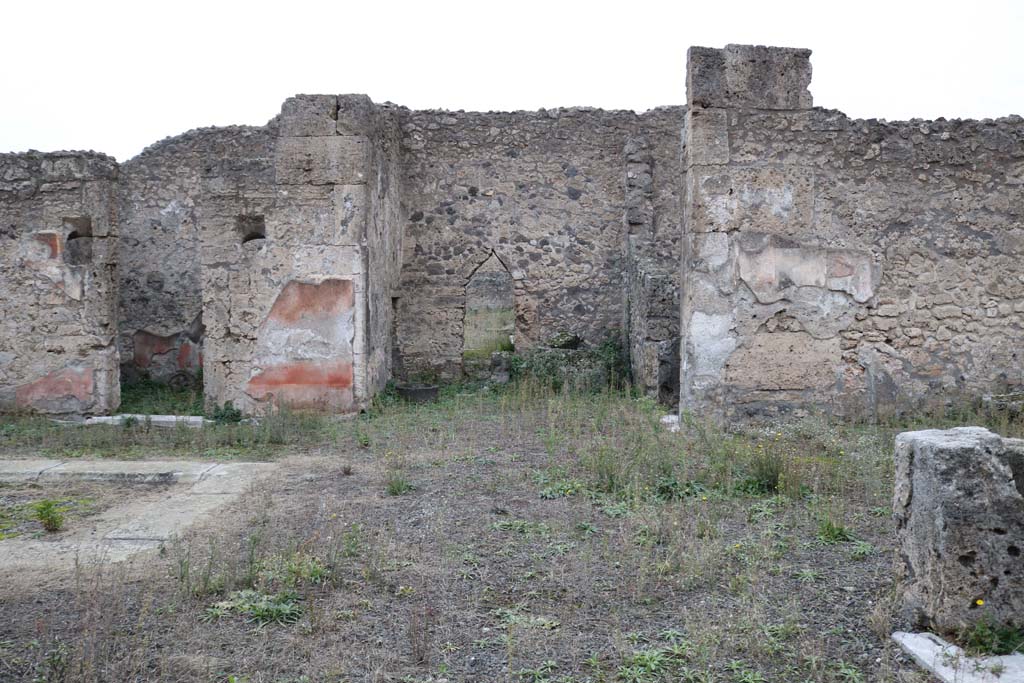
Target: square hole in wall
x,y
77,240
250,227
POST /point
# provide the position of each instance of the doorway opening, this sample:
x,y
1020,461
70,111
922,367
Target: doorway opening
x,y
489,324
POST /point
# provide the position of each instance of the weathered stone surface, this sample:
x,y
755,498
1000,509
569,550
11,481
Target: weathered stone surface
x,y
802,221
339,160
289,315
57,264
950,664
691,233
784,361
309,115
959,510
772,270
303,350
143,522
169,195
752,76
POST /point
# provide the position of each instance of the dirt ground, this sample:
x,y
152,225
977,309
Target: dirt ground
x,y
492,539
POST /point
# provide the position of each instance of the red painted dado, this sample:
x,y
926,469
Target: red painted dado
x,y
147,345
60,384
306,384
189,356
303,300
51,240
333,375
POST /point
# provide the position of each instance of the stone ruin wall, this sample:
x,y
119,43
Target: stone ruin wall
x,y
831,262
58,322
160,210
542,191
822,261
384,246
654,181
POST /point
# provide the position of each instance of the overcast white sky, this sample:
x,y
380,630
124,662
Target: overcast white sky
x,y
116,77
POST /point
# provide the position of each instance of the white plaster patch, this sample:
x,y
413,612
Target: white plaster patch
x,y
772,272
777,200
712,342
714,249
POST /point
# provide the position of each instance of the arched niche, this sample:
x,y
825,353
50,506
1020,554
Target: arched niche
x,y
490,319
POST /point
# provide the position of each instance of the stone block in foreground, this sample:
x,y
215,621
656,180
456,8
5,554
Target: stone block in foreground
x,y
959,510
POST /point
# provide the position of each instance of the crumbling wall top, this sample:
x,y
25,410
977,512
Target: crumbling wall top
x,y
749,76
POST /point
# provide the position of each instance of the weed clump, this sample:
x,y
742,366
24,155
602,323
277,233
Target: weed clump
x,y
261,608
226,414
987,638
49,515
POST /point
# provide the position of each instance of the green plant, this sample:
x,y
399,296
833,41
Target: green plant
x,y
293,569
808,575
539,674
848,672
48,513
741,674
396,483
985,637
226,413
261,608
861,550
521,526
831,532
147,396
652,661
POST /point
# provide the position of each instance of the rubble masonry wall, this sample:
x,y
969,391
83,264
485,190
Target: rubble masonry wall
x,y
58,260
842,263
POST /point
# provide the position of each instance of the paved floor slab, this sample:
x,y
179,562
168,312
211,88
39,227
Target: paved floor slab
x,y
24,470
197,489
152,420
950,664
142,471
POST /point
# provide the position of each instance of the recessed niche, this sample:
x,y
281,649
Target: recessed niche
x,y
250,228
78,240
490,312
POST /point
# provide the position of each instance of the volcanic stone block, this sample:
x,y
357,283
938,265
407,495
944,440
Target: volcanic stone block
x,y
356,115
749,76
341,160
768,200
707,136
784,361
959,510
309,115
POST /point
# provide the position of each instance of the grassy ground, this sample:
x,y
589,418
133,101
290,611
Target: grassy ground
x,y
514,536
147,397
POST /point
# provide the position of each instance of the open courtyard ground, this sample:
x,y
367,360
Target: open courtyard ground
x,y
514,535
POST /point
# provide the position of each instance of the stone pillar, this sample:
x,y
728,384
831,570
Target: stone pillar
x,y
58,273
959,510
285,308
763,296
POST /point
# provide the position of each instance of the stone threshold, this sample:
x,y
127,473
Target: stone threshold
x,y
142,471
950,664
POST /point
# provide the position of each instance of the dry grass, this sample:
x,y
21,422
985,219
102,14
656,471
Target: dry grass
x,y
515,535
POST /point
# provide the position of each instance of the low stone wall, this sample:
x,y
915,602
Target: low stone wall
x,y
58,258
959,509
